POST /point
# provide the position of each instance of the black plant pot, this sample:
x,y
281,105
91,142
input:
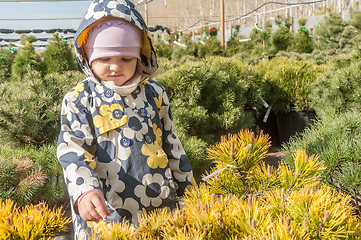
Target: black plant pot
x,y
269,127
293,122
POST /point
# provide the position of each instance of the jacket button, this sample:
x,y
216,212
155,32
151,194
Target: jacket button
x,y
142,112
148,138
125,142
108,93
117,114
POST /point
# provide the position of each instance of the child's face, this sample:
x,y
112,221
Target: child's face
x,y
118,69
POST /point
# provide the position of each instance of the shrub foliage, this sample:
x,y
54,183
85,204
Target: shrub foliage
x,y
279,204
336,140
58,56
32,116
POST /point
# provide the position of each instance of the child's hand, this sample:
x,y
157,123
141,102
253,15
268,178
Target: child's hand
x,y
92,207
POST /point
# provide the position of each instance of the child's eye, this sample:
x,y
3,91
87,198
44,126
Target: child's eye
x,y
127,59
104,59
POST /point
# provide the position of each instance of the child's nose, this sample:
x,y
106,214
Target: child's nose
x,y
115,66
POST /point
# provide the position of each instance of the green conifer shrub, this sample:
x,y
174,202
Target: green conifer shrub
x,y
212,47
303,42
330,31
355,19
282,38
47,186
210,97
260,40
179,53
29,174
58,56
26,60
286,83
6,60
336,140
338,89
346,37
30,110
164,45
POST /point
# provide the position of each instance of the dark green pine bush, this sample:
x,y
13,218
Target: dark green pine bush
x,y
339,89
329,31
58,56
282,39
29,174
336,139
164,46
6,60
30,109
287,83
303,42
26,60
212,47
210,97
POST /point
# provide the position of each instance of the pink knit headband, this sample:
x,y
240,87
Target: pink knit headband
x,y
115,37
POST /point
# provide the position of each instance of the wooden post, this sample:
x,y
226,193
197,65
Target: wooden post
x,y
222,23
146,12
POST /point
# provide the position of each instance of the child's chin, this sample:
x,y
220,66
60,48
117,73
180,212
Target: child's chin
x,y
121,82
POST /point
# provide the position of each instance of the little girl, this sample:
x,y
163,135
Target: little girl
x,y
117,145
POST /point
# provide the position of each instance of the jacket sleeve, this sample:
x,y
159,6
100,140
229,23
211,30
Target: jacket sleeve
x,y
75,148
178,160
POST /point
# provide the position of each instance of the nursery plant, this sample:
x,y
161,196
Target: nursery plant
x,y
212,47
338,90
58,55
32,116
189,48
287,83
303,43
164,45
330,30
289,204
6,60
336,140
211,97
32,222
260,40
355,18
29,174
282,38
26,60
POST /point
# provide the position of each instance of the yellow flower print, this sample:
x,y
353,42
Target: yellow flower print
x,y
77,89
158,133
156,155
110,117
158,101
89,159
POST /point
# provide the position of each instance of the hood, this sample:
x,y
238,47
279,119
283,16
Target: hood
x,y
125,9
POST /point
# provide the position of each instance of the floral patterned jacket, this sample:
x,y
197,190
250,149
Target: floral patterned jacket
x,y
124,145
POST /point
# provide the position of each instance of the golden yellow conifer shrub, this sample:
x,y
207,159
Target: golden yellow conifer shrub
x,y
243,198
30,222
